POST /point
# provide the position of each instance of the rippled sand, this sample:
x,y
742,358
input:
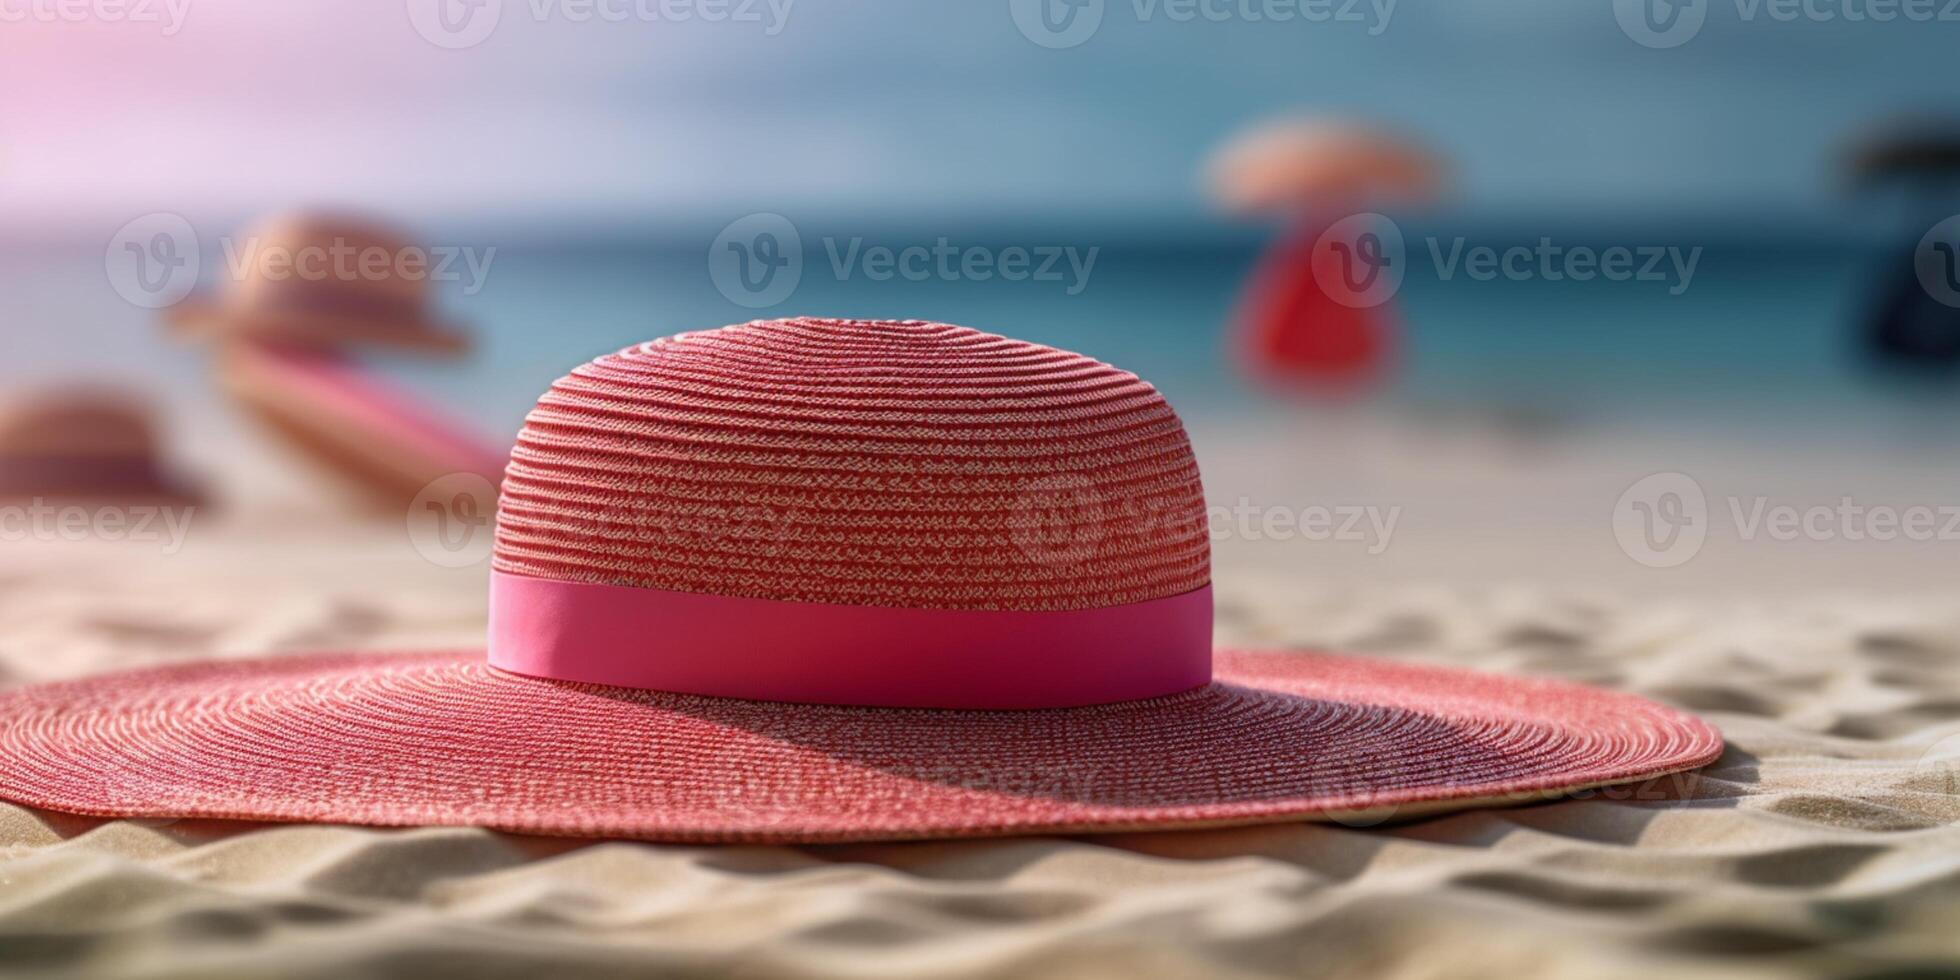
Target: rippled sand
x,y
1823,841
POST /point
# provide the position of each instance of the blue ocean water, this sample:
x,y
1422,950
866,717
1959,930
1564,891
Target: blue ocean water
x,y
1763,336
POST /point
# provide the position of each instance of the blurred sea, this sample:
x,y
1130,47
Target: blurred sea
x,y
1761,342
1519,413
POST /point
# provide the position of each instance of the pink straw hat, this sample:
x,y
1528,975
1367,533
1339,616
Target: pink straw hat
x,y
821,580
85,444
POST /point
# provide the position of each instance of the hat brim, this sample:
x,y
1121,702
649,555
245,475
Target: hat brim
x,y
445,739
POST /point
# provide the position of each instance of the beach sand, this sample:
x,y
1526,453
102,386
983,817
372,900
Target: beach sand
x,y
1824,841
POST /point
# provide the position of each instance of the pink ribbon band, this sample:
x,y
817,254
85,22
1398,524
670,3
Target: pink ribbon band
x,y
817,653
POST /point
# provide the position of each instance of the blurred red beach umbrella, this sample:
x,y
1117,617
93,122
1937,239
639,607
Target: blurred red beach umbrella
x,y
1315,316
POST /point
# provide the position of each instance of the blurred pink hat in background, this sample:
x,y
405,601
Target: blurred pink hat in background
x,y
315,290
85,444
320,301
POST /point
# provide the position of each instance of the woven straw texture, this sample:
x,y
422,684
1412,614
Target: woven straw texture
x,y
444,739
858,462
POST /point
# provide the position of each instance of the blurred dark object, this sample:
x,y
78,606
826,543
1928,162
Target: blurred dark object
x,y
306,283
1913,151
96,445
1315,318
1910,327
1914,321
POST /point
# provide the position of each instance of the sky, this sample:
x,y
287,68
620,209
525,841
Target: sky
x,y
642,110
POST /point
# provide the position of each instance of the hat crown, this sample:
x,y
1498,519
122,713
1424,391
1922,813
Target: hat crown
x,y
76,423
305,260
855,462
